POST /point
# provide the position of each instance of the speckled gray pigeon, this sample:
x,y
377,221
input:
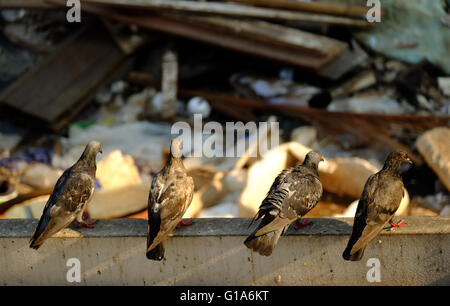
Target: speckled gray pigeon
x,y
170,196
379,201
73,190
293,194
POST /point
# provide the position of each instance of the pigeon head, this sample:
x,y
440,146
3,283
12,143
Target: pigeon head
x,y
175,147
313,158
396,159
90,152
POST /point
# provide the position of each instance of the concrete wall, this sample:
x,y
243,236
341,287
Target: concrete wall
x,y
211,252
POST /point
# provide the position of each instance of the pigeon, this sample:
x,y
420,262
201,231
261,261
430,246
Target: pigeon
x,y
293,194
379,201
170,196
72,191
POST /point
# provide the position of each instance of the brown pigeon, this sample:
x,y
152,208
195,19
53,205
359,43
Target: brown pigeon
x,y
73,190
170,196
293,194
379,201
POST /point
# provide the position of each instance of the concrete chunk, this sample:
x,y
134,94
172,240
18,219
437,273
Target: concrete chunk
x,y
434,145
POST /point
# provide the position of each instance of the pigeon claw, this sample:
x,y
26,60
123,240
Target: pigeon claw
x,y
86,223
400,223
299,225
184,223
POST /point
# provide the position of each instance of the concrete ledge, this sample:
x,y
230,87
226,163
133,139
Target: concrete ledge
x,y
211,252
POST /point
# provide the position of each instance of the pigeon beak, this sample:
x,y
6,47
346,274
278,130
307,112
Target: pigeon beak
x,y
100,149
409,161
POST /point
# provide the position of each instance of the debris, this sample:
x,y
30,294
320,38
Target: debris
x,y
173,24
345,176
7,191
262,173
198,105
207,196
231,9
61,97
20,160
350,211
12,15
128,37
147,142
306,135
411,24
434,146
314,7
169,83
116,170
119,201
444,85
367,104
41,176
279,91
361,81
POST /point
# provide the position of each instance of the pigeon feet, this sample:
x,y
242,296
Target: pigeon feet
x,y
400,223
86,223
182,223
299,225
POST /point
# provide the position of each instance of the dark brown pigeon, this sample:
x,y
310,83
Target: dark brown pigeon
x,y
293,194
170,196
379,201
73,190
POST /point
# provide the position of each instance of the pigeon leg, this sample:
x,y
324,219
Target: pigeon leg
x,y
182,223
299,225
86,223
400,223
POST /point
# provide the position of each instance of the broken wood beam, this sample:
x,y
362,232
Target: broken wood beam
x,y
172,25
230,9
274,34
15,4
331,8
58,88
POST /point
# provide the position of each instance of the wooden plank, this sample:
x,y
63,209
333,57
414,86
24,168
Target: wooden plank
x,y
85,82
57,89
41,4
209,35
333,8
66,117
229,9
56,75
275,34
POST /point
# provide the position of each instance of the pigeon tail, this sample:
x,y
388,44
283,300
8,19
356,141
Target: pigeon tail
x,y
34,244
357,256
263,244
157,253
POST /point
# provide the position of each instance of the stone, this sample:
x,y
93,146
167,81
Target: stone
x,y
434,146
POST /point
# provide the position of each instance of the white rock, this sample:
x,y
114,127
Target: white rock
x,y
434,146
118,87
41,176
116,170
367,104
350,211
444,85
198,105
306,135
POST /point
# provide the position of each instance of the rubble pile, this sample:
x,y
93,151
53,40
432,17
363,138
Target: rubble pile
x,y
334,82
